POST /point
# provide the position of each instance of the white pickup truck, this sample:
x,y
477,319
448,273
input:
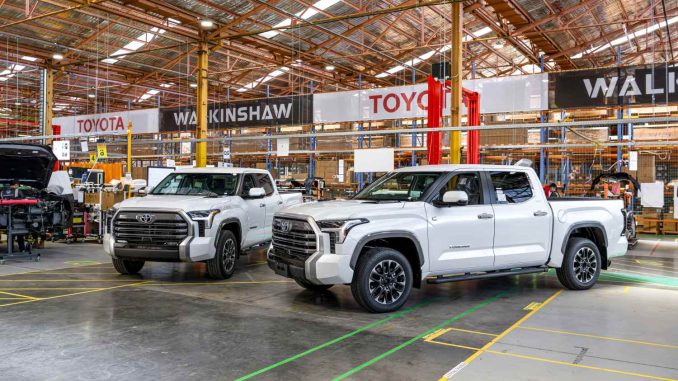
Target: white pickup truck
x,y
196,215
445,223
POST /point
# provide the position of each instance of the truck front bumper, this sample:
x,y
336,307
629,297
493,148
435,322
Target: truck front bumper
x,y
319,268
191,249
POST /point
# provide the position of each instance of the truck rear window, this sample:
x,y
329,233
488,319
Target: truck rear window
x,y
511,187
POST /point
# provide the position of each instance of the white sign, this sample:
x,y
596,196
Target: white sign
x,y
506,94
340,172
62,150
227,153
675,199
170,163
374,160
652,194
83,146
633,160
283,147
143,122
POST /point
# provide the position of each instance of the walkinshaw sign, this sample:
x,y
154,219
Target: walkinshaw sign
x,y
293,110
613,86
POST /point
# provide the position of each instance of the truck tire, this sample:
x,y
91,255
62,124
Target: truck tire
x,y
581,264
382,281
313,287
222,266
127,267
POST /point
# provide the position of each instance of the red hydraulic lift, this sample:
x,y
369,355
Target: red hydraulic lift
x,y
436,101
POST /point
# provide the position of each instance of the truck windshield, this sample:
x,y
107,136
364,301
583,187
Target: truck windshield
x,y
399,186
199,184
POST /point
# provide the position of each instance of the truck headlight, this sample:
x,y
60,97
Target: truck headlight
x,y
340,228
204,215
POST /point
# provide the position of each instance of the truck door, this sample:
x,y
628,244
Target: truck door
x,y
461,237
522,221
272,200
256,211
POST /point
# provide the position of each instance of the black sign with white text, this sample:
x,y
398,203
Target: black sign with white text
x,y
613,86
291,110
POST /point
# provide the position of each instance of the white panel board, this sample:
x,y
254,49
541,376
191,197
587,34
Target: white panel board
x,y
374,160
652,194
283,147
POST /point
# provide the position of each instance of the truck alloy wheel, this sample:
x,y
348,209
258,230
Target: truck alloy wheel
x,y
382,280
228,255
585,264
222,266
581,264
387,282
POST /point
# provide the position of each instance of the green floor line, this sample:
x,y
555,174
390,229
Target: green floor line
x,y
419,337
334,341
632,278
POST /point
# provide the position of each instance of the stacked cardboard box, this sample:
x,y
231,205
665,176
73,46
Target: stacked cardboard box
x,y
646,169
503,136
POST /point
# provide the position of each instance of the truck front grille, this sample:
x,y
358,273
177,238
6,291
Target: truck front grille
x,y
150,229
293,240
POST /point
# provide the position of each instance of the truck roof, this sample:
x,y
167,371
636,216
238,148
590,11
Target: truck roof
x,y
225,170
455,167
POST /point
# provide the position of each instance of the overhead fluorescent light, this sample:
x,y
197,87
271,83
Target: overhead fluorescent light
x,y
206,24
264,79
330,68
626,38
305,15
29,58
57,56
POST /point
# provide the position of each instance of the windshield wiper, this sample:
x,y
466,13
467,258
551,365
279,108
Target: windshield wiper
x,y
212,194
368,201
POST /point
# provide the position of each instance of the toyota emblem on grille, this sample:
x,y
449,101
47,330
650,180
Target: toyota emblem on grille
x,y
285,226
145,218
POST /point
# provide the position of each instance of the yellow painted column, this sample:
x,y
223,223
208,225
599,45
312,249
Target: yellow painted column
x,y
455,80
201,107
129,146
49,102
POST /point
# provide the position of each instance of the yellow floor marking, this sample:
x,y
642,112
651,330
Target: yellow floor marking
x,y
487,346
532,306
74,293
554,361
256,264
17,295
511,328
626,289
75,273
436,334
82,263
50,288
218,283
475,332
12,298
601,337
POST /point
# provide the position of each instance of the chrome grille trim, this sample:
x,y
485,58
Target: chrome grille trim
x,y
294,239
168,229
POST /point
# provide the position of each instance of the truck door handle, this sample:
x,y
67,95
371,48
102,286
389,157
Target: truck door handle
x,y
280,202
540,213
485,216
262,205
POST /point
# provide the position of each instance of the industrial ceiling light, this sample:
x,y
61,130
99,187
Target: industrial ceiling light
x,y
58,56
193,85
330,68
91,95
206,24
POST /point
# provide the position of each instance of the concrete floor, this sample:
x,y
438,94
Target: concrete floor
x,y
72,317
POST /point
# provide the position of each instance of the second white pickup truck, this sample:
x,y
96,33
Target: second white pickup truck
x,y
196,215
445,223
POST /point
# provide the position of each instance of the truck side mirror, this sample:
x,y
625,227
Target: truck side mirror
x,y
453,198
256,193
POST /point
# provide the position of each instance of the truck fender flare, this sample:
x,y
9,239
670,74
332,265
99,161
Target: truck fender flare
x,y
228,221
383,235
583,224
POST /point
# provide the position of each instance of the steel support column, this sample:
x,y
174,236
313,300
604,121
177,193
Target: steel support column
x,y
455,79
47,102
201,107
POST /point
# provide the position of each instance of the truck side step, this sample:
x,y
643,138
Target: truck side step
x,y
489,274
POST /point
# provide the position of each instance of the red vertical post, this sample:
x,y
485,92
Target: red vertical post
x,y
472,101
435,114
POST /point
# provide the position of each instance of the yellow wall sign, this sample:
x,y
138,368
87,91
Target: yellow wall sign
x,y
101,150
92,157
